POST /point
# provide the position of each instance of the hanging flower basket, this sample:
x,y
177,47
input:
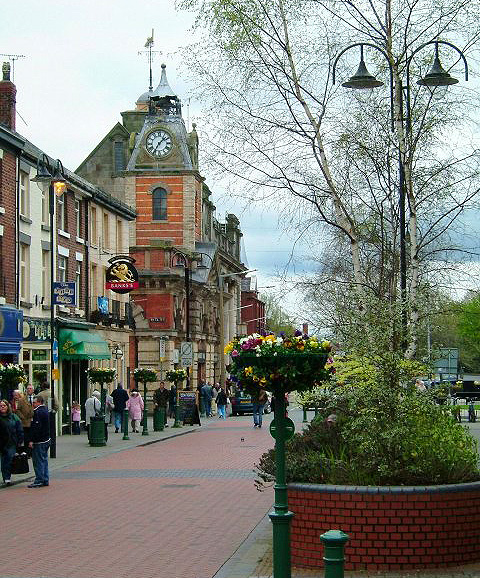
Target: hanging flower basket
x,y
280,363
40,375
176,375
101,375
12,375
144,375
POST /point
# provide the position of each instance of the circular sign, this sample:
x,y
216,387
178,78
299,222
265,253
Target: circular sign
x,y
289,428
121,277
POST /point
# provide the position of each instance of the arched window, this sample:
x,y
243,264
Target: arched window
x,y
159,204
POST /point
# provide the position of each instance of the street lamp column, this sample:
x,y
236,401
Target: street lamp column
x,y
54,179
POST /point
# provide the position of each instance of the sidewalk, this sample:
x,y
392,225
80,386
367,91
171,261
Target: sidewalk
x,y
74,450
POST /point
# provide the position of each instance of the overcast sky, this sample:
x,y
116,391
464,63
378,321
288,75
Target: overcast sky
x,y
81,68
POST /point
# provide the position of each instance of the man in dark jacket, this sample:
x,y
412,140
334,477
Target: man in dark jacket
x,y
40,442
160,400
120,398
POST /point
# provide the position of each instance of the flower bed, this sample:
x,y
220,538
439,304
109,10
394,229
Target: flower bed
x,y
390,528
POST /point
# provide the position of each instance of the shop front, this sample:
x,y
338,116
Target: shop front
x,y
76,348
10,337
35,355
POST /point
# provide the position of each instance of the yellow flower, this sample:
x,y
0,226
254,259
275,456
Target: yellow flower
x,y
270,338
255,378
248,370
263,381
326,344
228,348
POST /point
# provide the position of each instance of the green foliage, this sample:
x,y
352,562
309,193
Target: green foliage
x,y
144,375
101,375
176,375
382,436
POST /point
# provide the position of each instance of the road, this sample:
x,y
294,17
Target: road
x,y
175,509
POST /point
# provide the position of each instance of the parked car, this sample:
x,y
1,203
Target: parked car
x,y
242,403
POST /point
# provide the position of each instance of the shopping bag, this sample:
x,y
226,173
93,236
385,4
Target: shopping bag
x,y
20,464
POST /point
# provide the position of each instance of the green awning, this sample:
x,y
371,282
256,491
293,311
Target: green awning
x,y
78,344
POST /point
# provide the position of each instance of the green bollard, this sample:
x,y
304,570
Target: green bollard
x,y
305,420
177,422
125,425
202,407
145,412
334,542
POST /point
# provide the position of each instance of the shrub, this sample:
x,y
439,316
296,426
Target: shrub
x,y
382,436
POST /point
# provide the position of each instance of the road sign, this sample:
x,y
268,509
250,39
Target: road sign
x,y
186,353
55,351
289,428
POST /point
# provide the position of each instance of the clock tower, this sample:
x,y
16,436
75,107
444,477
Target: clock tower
x,y
150,162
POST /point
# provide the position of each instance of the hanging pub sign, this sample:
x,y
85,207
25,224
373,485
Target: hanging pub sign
x,y
121,276
64,294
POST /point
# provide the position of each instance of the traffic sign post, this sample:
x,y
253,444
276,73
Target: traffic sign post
x,y
186,353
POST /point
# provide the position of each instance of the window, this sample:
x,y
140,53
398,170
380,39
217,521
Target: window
x,y
45,208
94,285
93,226
24,194
159,204
119,156
106,231
119,236
62,269
46,276
61,214
78,281
24,272
78,222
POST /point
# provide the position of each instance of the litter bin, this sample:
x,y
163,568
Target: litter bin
x,y
97,431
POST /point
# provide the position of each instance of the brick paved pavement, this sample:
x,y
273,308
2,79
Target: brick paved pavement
x,y
177,509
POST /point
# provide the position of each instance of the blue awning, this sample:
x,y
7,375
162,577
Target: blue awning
x,y
12,347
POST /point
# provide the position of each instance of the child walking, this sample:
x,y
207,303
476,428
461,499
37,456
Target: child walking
x,y
76,417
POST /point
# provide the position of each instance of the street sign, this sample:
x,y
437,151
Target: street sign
x,y
163,346
289,428
186,353
55,351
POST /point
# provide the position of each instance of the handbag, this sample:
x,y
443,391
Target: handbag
x,y
20,464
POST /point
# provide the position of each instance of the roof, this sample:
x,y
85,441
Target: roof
x,y
163,89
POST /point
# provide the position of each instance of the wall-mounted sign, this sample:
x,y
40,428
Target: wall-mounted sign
x,y
121,276
64,294
36,329
157,319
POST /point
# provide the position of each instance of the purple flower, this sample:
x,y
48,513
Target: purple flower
x,y
234,353
298,333
282,334
246,345
305,336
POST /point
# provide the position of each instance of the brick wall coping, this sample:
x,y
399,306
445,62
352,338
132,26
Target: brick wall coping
x,y
465,487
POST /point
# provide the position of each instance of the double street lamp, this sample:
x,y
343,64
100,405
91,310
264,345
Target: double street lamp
x,y
436,77
51,177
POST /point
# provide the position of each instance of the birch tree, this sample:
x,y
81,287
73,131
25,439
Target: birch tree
x,y
327,157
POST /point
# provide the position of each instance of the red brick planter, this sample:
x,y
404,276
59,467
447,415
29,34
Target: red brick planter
x,y
390,528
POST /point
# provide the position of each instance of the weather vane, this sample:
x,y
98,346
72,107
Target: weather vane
x,y
13,57
150,53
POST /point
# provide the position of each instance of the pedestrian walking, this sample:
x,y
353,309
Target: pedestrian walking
x,y
40,442
76,418
259,401
120,398
93,407
160,400
207,399
24,411
13,426
30,394
172,401
135,409
108,412
222,404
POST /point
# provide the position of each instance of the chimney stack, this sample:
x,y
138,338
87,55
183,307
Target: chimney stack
x,y
8,93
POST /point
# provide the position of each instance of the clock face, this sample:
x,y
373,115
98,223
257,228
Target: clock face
x,y
159,143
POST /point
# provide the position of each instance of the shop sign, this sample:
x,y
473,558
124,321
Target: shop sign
x,y
121,276
157,319
36,329
64,294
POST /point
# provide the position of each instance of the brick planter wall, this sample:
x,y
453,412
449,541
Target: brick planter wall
x,y
390,528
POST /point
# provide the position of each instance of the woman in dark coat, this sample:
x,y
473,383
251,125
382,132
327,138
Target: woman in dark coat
x,y
13,425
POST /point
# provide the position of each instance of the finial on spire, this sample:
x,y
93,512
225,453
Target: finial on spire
x,y
150,54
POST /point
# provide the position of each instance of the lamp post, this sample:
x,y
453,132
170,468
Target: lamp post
x,y
53,178
437,77
183,260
